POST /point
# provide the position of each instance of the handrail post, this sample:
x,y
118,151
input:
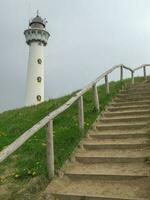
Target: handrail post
x,y
81,114
132,76
121,73
107,84
96,98
50,149
144,71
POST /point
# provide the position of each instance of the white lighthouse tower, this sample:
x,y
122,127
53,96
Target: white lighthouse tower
x,y
36,37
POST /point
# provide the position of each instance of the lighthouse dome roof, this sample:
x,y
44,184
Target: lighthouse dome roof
x,y
37,22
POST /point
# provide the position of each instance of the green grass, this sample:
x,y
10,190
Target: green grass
x,y
30,159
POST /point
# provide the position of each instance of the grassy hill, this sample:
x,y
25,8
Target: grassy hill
x,y
29,161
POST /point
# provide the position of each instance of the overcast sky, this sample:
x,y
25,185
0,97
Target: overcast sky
x,y
87,38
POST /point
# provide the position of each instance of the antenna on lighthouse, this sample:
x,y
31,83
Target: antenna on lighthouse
x,y
38,13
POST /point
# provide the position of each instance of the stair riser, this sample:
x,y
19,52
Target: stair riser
x,y
121,127
119,136
139,86
128,103
138,89
146,119
135,92
121,114
114,146
131,99
105,177
113,109
144,88
133,95
110,159
70,197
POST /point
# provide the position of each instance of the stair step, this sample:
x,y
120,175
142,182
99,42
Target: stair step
x,y
135,94
135,90
131,99
113,156
60,196
98,159
99,190
131,107
129,103
138,88
119,135
127,113
120,126
131,143
112,177
93,146
144,118
143,92
103,171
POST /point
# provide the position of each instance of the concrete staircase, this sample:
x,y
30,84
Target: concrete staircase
x,y
110,162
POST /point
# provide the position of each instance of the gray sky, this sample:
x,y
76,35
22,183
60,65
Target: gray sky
x,y
87,38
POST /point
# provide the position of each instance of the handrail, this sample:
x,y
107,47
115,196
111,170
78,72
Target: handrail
x,y
48,120
141,66
144,71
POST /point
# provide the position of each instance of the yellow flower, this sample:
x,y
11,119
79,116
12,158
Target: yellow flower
x,y
29,172
17,175
34,173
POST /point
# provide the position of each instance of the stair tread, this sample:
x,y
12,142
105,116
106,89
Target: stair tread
x,y
132,98
124,169
114,153
130,103
122,124
128,111
125,92
114,132
129,106
116,141
134,95
118,135
126,117
88,188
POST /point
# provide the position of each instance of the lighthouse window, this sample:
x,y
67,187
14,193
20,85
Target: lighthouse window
x,y
38,97
39,79
39,61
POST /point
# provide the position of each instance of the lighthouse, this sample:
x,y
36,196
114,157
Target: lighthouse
x,y
36,37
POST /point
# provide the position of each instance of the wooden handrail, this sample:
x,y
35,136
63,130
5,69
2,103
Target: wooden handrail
x,y
47,121
141,66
